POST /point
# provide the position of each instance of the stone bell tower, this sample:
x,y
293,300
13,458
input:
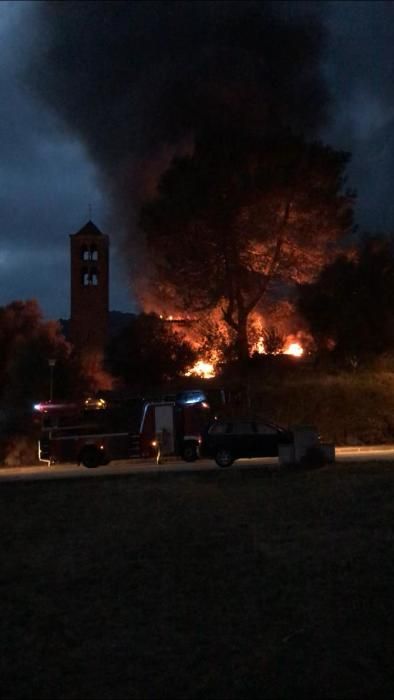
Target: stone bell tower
x,y
89,289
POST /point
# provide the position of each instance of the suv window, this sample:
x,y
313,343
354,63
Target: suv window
x,y
264,429
243,428
218,429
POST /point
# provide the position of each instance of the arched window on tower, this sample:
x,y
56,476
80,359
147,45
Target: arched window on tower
x,y
93,253
84,276
84,253
89,276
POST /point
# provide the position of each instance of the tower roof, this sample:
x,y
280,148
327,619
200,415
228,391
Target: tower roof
x,y
90,229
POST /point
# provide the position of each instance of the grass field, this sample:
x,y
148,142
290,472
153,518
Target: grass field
x,y
228,584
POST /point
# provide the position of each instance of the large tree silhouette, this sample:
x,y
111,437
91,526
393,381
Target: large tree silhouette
x,y
241,214
147,352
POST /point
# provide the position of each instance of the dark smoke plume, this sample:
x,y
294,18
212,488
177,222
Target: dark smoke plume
x,y
139,81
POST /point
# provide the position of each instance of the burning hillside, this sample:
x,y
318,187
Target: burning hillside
x,y
211,339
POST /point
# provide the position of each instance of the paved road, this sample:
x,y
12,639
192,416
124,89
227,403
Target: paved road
x,y
70,471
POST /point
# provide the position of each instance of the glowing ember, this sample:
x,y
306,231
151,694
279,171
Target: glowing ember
x,y
294,349
206,370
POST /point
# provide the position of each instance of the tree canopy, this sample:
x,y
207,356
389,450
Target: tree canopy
x,y
27,342
147,352
350,307
240,214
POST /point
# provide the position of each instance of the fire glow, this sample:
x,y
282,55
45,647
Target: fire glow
x,y
206,367
294,349
291,347
205,370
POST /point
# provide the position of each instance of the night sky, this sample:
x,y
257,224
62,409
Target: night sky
x,y
88,118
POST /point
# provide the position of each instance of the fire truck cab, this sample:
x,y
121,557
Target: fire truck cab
x,y
95,431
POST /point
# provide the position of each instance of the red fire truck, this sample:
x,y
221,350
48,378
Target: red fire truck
x,y
95,431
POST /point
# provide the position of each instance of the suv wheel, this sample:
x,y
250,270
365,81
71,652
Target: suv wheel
x,y
189,452
224,458
314,458
90,457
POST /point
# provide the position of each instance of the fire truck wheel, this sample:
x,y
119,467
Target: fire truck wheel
x,y
90,458
189,452
224,458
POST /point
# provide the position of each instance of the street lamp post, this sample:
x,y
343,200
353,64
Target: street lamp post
x,y
51,364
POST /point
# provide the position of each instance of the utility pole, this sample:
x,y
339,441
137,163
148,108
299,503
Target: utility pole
x,y
51,364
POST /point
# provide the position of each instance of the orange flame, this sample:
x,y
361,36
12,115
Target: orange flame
x,y
205,370
294,349
291,347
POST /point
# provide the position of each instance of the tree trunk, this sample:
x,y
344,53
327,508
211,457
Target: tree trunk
x,y
242,338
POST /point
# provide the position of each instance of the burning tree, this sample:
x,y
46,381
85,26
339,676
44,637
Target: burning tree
x,y
241,214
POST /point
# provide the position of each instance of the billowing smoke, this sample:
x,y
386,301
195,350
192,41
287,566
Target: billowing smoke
x,y
139,81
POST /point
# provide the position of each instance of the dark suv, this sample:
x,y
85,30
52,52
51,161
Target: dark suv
x,y
227,440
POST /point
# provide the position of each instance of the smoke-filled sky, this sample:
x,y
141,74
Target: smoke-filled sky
x,y
95,98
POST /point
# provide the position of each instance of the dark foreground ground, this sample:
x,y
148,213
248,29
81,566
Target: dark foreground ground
x,y
226,584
